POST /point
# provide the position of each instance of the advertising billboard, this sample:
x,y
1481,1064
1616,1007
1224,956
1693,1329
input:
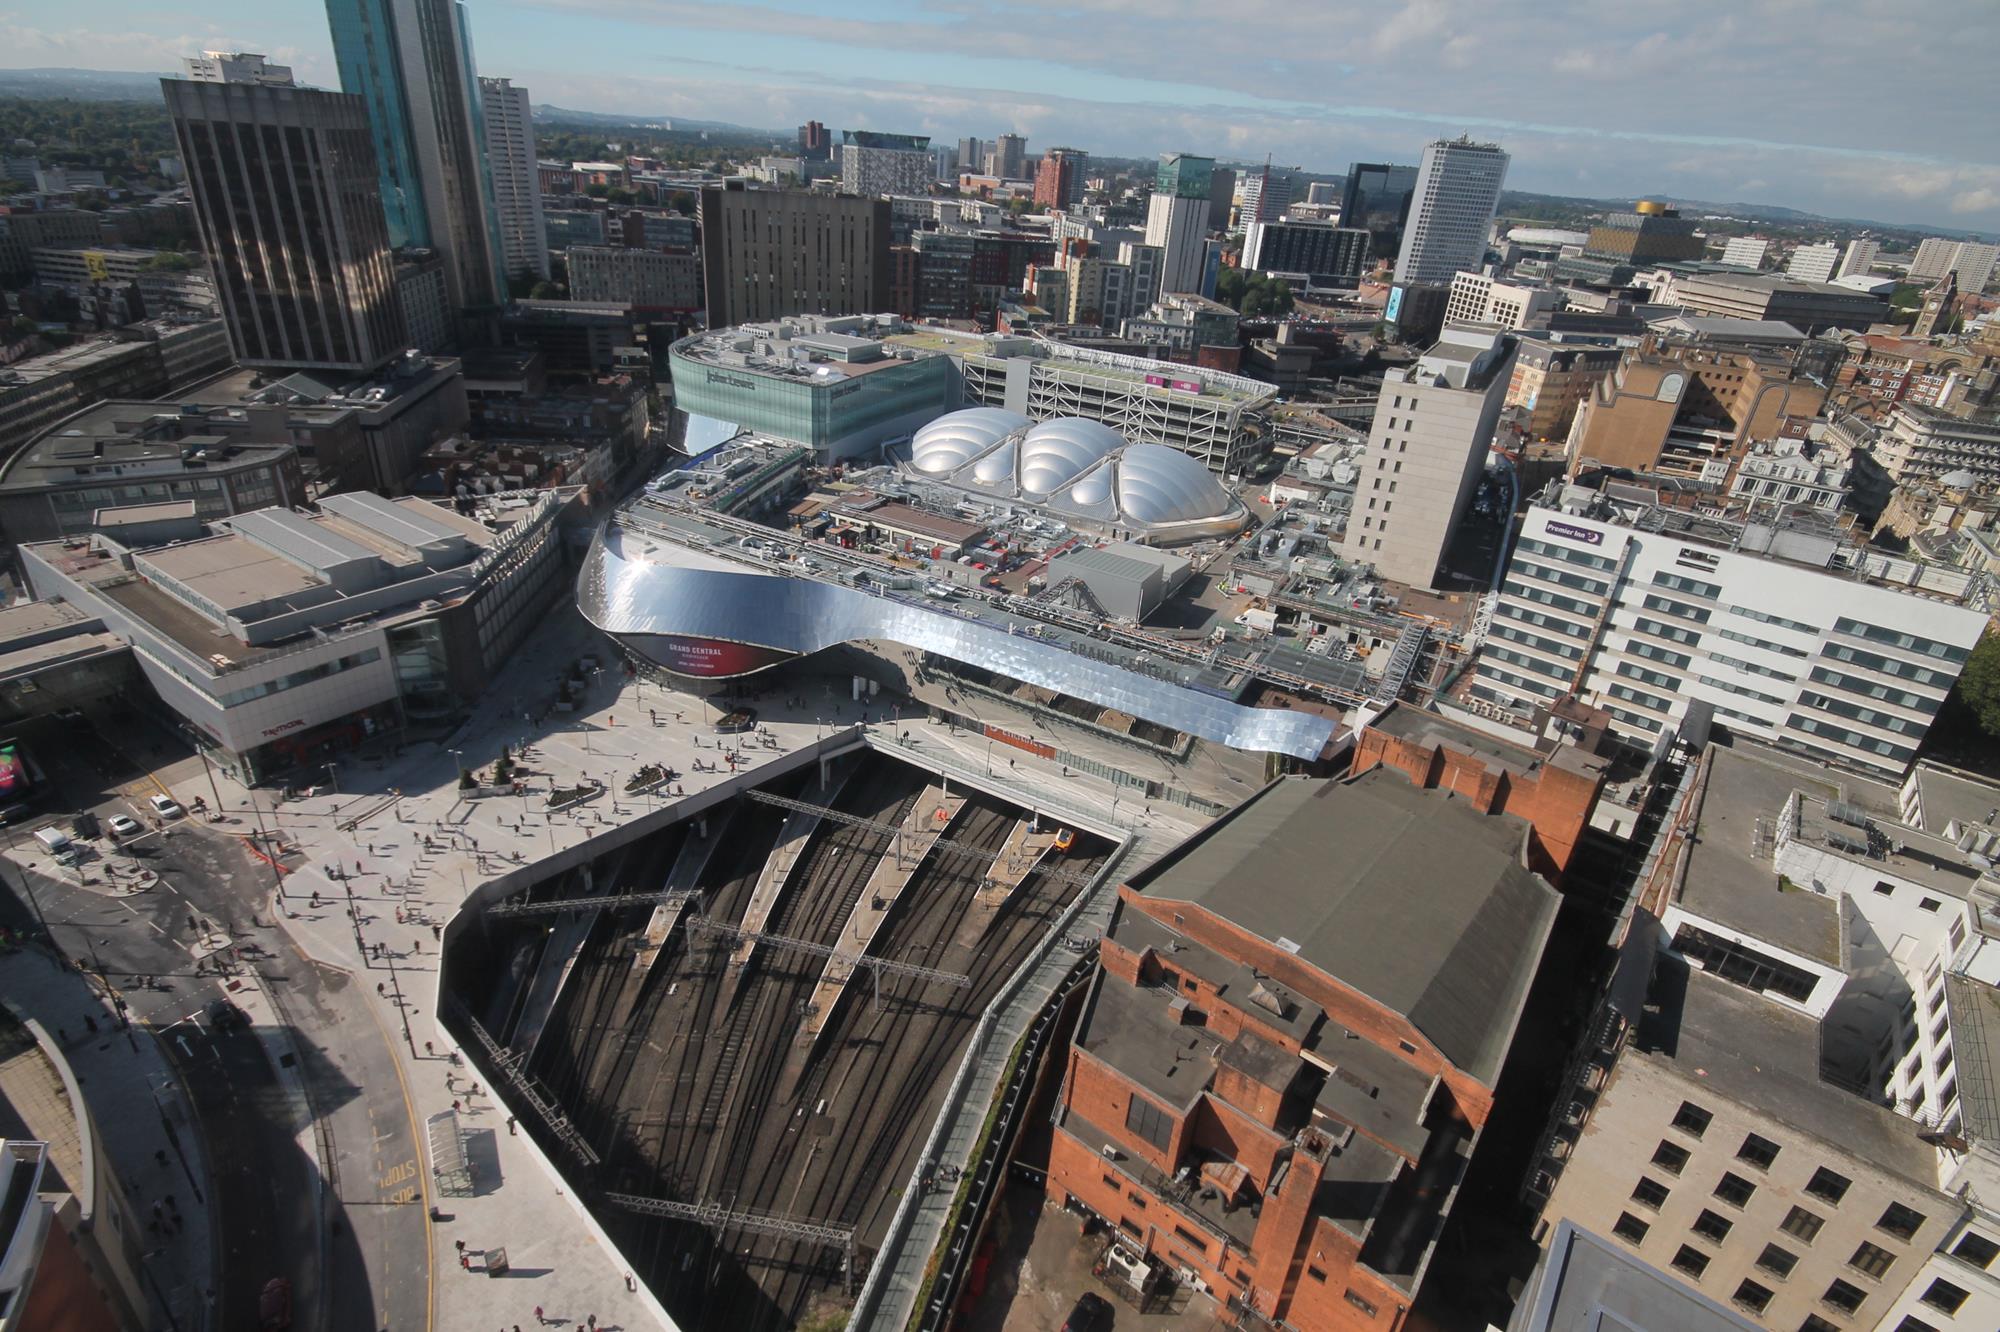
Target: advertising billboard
x,y
1394,307
13,771
709,658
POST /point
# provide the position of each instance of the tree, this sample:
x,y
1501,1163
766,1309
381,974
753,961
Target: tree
x,y
545,291
1979,684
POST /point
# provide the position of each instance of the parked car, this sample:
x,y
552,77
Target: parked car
x,y
1091,1314
164,807
124,825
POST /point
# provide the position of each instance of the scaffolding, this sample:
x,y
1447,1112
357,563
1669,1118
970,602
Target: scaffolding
x,y
614,902
720,1218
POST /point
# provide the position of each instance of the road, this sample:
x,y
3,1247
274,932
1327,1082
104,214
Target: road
x,y
366,1229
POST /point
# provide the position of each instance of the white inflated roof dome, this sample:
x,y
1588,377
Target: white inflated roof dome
x,y
956,438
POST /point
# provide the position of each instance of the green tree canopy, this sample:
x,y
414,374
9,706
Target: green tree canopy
x,y
1979,684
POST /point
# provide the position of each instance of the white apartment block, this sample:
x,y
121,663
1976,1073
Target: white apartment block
x,y
1745,251
1920,441
1427,446
871,171
1760,625
1857,258
517,185
1813,263
1178,226
1971,261
1451,208
1478,299
1806,1124
1779,472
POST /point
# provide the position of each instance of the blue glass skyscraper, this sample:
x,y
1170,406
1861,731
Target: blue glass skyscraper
x,y
410,61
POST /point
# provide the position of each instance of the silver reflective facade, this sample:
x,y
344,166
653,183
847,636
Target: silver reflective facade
x,y
648,604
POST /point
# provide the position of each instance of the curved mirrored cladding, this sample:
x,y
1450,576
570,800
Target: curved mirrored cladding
x,y
644,602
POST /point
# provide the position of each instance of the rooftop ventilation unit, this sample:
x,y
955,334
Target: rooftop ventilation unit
x,y
1841,840
1841,811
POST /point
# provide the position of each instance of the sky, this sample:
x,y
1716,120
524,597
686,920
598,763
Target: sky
x,y
1847,108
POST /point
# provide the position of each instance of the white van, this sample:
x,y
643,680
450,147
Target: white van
x,y
56,842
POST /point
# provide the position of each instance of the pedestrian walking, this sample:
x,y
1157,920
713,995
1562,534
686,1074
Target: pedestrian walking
x,y
510,1126
465,1261
428,1049
538,1316
454,1107
460,1244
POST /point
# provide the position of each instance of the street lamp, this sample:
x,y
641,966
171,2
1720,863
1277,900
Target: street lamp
x,y
333,777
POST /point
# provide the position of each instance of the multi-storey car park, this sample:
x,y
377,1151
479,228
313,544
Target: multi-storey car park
x,y
735,1056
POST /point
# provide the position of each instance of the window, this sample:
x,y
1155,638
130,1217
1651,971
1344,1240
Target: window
x,y
1151,1123
1814,1323
1976,1249
1125,1224
1828,1185
1692,1120
1734,1189
1801,1224
1752,1296
1945,1297
1692,1261
1928,904
1358,1303
1114,1181
1670,1157
1885,889
1741,964
1712,1227
1757,1151
1778,1262
1900,1221
1316,1275
1650,1194
1843,1297
1871,1259
1910,1324
1199,1244
1630,1229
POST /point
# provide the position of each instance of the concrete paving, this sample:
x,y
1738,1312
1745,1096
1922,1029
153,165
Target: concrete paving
x,y
389,848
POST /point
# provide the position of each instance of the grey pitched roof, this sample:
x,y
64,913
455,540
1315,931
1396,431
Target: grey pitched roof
x,y
1412,897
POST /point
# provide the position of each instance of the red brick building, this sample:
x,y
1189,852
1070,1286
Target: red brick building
x,y
1293,1041
1555,791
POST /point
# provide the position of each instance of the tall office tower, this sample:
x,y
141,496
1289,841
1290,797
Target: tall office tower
x,y
1451,207
815,142
1426,450
1858,257
873,163
945,160
972,156
1376,197
517,186
1265,196
1059,177
284,185
771,253
1745,251
410,61
1813,263
1221,198
1177,219
1010,157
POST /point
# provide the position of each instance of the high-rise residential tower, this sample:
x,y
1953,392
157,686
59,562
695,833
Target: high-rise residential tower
x,y
410,61
1059,177
517,185
1177,219
285,186
1376,196
1451,206
1813,263
1858,257
1010,157
872,163
771,253
815,143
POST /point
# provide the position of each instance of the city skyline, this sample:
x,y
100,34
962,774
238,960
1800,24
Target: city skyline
x,y
1391,82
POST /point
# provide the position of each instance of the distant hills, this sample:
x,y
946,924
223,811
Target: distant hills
x,y
83,85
